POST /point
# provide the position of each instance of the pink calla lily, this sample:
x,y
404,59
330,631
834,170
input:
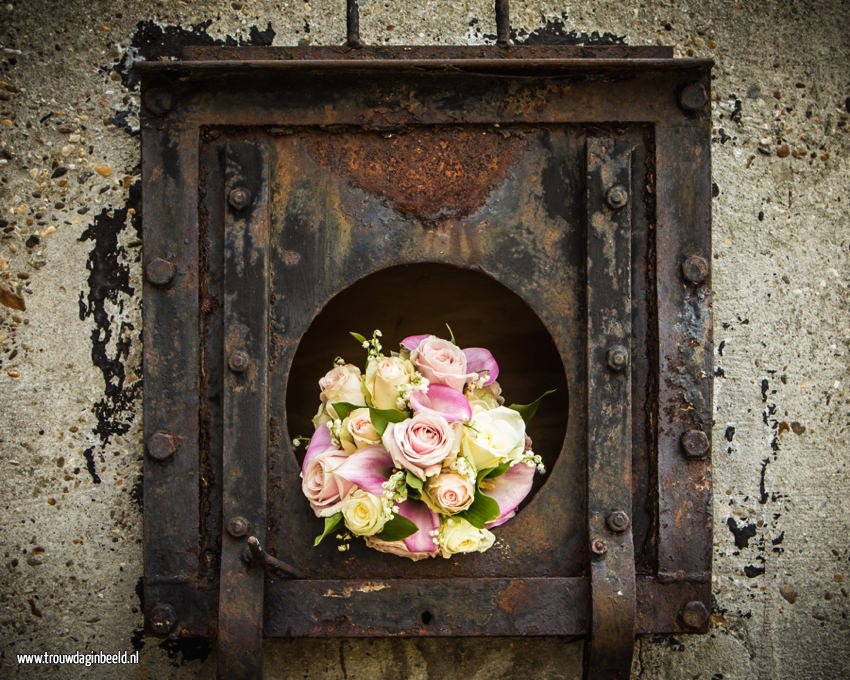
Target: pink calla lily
x,y
509,490
368,468
319,443
480,360
427,521
442,400
411,342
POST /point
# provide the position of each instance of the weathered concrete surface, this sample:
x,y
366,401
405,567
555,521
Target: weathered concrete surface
x,y
70,450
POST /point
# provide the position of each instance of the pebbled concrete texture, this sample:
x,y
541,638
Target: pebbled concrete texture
x,y
70,364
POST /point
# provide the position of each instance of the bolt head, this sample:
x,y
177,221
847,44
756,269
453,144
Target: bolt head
x,y
239,198
695,615
695,444
617,521
617,197
618,357
158,101
162,619
599,546
162,445
695,269
238,362
693,97
237,526
160,271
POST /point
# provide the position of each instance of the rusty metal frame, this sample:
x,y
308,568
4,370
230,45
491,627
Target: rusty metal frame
x,y
205,493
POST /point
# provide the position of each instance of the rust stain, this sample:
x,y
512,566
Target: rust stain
x,y
348,591
434,172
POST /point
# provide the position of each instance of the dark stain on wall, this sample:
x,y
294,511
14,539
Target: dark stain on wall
x,y
554,32
109,292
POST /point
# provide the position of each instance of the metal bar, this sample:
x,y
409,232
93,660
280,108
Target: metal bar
x,y
503,23
685,343
608,654
518,65
169,164
240,615
352,24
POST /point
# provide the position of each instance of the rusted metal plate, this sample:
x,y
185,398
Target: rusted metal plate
x,y
460,169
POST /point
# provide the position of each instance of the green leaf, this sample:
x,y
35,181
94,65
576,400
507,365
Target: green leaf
x,y
381,417
483,509
398,528
360,338
451,333
414,482
343,408
491,473
331,523
527,411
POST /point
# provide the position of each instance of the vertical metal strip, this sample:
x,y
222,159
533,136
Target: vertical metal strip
x,y
608,654
169,166
685,349
244,470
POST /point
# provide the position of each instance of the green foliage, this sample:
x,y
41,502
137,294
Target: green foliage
x,y
331,523
528,411
397,529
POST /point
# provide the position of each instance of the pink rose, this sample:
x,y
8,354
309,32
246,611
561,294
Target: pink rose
x,y
449,492
421,443
441,362
322,487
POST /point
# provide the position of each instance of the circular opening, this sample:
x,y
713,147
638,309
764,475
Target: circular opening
x,y
423,298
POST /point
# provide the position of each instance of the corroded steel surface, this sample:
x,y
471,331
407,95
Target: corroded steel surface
x,y
464,170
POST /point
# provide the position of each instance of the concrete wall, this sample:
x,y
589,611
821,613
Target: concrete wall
x,y
70,390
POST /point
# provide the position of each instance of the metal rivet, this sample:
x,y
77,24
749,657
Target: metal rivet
x,y
163,618
158,101
160,271
162,445
693,97
694,614
618,357
599,546
238,362
695,443
237,526
239,198
617,196
617,521
695,269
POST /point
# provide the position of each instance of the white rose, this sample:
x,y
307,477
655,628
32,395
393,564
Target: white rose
x,y
459,536
363,513
341,383
449,493
494,437
384,377
357,431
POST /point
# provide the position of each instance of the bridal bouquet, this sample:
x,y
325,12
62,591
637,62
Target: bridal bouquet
x,y
418,453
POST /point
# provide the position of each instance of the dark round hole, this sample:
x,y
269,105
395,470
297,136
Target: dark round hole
x,y
427,617
423,298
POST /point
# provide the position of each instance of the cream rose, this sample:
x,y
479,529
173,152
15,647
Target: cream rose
x,y
485,398
420,444
363,513
324,489
494,437
384,377
459,536
357,431
449,493
341,383
441,362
